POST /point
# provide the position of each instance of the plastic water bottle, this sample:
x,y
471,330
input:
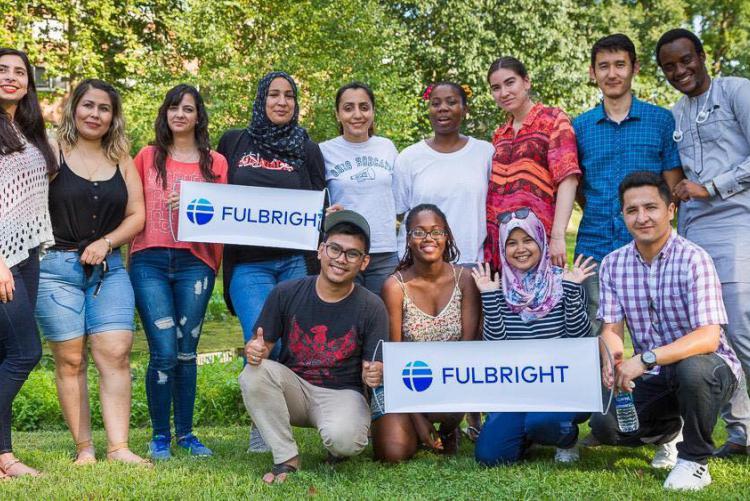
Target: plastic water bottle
x,y
627,418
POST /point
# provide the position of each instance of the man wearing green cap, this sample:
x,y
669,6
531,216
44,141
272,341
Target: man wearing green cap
x,y
330,328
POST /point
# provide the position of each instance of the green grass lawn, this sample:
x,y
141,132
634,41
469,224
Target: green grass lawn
x,y
603,473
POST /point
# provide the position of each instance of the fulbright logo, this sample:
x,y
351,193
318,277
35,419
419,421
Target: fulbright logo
x,y
200,211
417,376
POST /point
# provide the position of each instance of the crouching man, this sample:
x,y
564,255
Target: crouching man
x,y
329,329
667,290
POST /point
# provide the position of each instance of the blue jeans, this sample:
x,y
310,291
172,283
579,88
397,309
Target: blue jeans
x,y
382,264
252,283
172,290
20,347
505,436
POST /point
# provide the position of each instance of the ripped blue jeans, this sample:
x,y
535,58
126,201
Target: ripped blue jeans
x,y
172,290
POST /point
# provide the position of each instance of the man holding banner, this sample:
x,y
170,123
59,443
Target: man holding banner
x,y
667,290
330,329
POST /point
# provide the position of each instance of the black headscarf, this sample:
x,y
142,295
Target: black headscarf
x,y
279,142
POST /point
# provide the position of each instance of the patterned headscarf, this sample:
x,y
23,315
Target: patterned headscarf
x,y
534,293
277,142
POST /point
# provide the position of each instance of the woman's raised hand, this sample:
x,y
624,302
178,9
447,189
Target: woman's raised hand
x,y
580,271
334,208
483,278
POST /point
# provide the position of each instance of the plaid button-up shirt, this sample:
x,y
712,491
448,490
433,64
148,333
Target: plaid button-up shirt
x,y
661,302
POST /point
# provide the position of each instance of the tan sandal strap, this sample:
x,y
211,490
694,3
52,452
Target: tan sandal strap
x,y
5,466
84,444
117,447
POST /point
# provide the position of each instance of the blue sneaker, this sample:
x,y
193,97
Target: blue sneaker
x,y
194,446
158,448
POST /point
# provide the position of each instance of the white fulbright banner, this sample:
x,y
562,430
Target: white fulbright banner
x,y
248,215
550,375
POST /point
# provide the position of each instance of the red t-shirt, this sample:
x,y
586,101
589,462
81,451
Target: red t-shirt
x,y
156,232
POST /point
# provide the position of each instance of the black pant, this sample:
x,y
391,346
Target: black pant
x,y
20,347
693,389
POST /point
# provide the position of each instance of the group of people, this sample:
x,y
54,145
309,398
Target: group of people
x,y
480,254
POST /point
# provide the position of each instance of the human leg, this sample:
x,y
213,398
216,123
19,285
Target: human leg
x,y
193,285
342,418
250,285
394,438
502,439
736,412
20,351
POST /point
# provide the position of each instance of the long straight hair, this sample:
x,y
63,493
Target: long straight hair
x,y
114,143
165,139
28,119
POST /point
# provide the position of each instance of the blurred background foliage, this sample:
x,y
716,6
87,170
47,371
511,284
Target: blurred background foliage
x,y
224,47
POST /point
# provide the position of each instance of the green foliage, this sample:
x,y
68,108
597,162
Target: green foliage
x,y
218,401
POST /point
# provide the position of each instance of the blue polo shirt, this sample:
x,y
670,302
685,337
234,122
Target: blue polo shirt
x,y
607,152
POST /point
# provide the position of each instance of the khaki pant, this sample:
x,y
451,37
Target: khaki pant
x,y
278,399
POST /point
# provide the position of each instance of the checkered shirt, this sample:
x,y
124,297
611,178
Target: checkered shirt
x,y
661,302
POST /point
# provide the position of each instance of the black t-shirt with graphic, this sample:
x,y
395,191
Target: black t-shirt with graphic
x,y
324,343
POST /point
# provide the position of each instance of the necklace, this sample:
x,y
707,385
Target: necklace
x,y
89,172
186,157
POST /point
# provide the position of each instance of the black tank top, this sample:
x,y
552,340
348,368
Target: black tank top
x,y
83,211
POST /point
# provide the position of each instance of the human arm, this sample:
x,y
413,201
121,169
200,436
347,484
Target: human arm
x,y
316,167
426,431
489,288
470,307
566,194
393,297
737,178
132,223
375,332
268,328
7,284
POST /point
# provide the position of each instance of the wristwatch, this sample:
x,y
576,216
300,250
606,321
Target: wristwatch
x,y
649,359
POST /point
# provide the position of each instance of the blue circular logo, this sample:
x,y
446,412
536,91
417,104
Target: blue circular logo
x,y
200,211
417,376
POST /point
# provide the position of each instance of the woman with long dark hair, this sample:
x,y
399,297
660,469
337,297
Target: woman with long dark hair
x,y
535,163
428,299
173,280
26,160
359,175
274,151
85,298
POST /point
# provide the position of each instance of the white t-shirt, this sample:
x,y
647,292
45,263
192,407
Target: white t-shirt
x,y
455,182
360,177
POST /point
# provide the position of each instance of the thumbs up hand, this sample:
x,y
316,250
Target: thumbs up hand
x,y
255,349
372,373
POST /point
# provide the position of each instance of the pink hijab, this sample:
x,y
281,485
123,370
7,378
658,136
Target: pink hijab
x,y
534,293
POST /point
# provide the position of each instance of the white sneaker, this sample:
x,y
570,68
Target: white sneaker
x,y
687,476
666,454
567,455
257,444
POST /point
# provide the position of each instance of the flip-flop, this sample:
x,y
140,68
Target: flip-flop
x,y
280,468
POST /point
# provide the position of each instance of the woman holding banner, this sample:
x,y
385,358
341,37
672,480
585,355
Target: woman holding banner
x,y
359,172
428,299
173,280
85,297
272,152
26,160
537,300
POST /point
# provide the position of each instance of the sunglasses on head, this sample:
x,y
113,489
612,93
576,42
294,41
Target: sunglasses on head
x,y
505,217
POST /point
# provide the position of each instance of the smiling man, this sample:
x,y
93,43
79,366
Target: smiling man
x,y
620,135
666,289
330,328
713,136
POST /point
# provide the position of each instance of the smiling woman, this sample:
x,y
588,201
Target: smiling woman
x,y
85,296
449,170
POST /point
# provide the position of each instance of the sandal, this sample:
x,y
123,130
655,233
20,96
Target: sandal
x,y
10,464
450,440
81,447
123,446
472,433
279,469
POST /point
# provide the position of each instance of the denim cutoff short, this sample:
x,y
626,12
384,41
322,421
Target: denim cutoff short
x,y
66,306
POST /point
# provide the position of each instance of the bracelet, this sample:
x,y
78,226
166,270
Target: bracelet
x,y
109,244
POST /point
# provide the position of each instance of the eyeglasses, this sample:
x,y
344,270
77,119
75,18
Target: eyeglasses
x,y
420,233
351,255
521,213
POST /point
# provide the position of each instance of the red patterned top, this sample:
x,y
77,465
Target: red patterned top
x,y
527,168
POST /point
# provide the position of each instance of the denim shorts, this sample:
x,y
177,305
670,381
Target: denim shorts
x,y
67,307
